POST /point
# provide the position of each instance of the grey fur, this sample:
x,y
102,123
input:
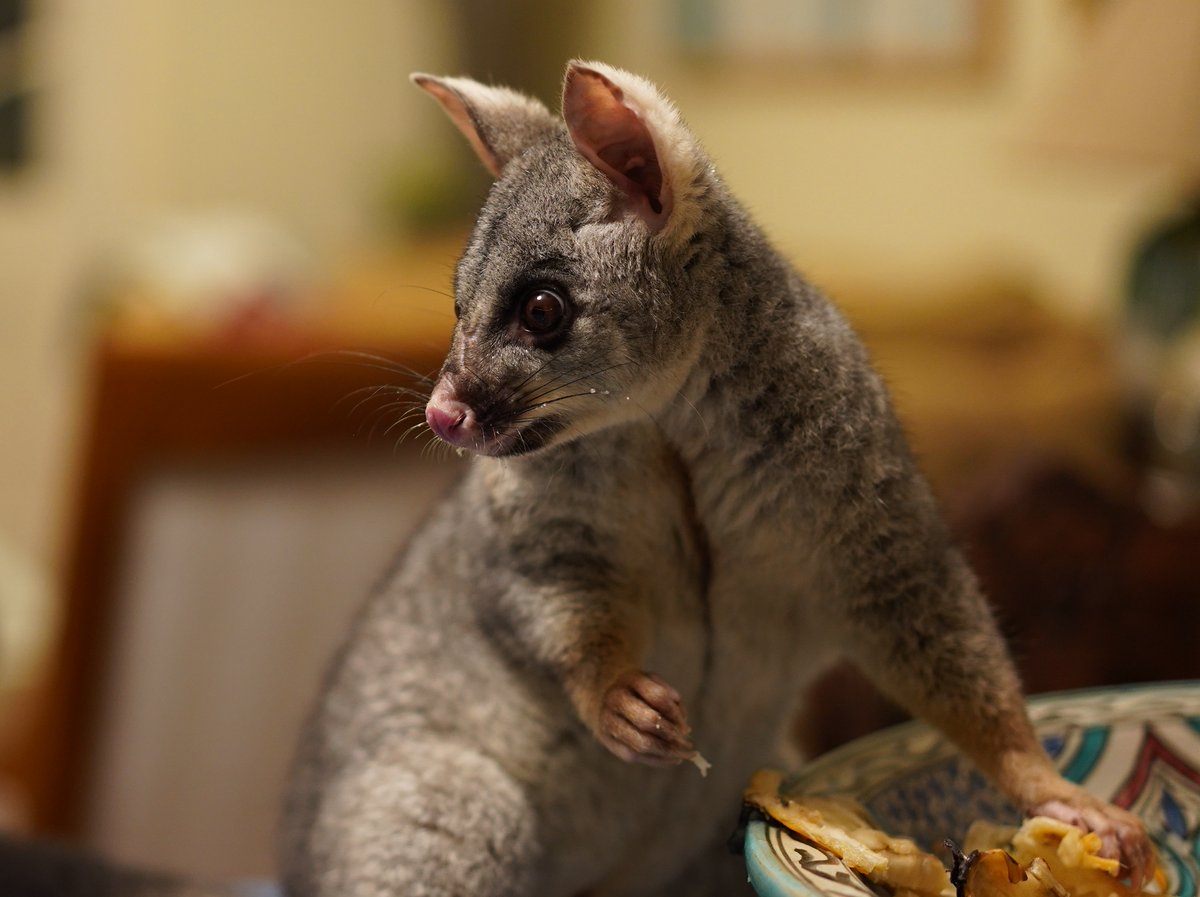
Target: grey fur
x,y
704,476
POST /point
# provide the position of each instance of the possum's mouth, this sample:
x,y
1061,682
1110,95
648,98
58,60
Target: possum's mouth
x,y
459,425
510,442
536,435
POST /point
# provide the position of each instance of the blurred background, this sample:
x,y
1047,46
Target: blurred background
x,y
227,231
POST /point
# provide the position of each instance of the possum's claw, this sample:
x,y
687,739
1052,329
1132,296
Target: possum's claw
x,y
642,720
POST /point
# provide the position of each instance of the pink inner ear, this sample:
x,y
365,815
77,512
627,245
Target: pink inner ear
x,y
613,137
460,114
639,164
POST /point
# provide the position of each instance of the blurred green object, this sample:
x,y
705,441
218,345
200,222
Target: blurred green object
x,y
1164,288
1162,349
434,193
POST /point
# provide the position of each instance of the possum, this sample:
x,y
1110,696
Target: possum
x,y
688,496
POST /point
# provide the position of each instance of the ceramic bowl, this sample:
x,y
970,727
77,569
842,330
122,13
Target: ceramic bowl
x,y
1137,746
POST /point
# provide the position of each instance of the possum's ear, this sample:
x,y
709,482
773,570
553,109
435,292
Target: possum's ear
x,y
634,137
498,122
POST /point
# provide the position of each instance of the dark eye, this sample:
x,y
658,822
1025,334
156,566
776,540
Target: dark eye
x,y
542,311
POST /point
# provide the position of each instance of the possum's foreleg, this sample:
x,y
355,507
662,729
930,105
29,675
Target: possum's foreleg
x,y
594,642
915,620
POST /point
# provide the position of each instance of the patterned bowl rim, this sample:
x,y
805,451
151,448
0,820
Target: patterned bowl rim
x,y
1047,710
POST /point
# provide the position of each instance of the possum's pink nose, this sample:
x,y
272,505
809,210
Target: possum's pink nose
x,y
451,420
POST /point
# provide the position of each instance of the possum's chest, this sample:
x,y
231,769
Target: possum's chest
x,y
741,630
767,644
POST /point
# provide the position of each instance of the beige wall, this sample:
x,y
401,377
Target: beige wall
x,y
294,108
890,179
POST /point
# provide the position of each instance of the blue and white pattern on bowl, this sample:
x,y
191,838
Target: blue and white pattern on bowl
x,y
1137,746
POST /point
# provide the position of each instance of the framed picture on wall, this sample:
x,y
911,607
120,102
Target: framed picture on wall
x,y
859,36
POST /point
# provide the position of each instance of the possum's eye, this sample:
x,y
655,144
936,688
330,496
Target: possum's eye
x,y
542,311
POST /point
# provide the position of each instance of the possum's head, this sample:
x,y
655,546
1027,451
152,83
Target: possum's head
x,y
574,297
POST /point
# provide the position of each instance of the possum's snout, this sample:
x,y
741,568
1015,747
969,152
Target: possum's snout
x,y
452,420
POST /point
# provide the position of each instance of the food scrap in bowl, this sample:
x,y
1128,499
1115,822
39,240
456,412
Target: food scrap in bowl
x,y
1042,858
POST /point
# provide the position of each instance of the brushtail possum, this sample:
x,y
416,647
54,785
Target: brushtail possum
x,y
689,495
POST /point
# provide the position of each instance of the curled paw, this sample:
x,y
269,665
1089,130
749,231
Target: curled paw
x,y
642,721
1122,834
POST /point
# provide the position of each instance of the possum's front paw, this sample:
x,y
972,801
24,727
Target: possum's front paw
x,y
1122,834
642,720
